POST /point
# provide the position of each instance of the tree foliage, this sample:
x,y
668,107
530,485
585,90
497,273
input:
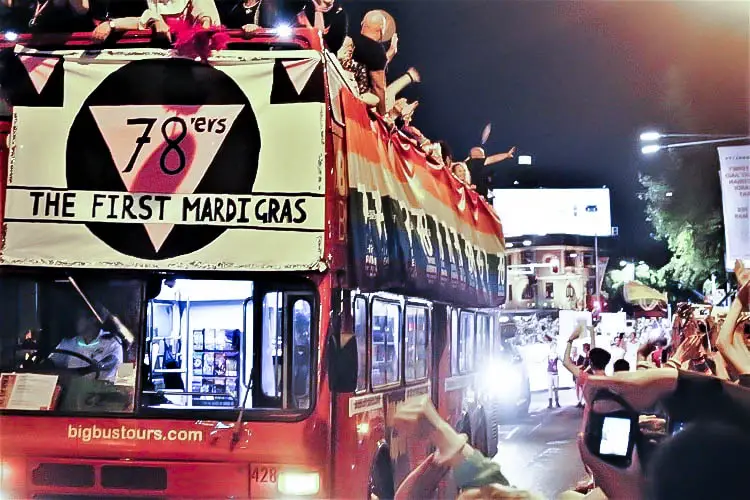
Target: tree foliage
x,y
682,194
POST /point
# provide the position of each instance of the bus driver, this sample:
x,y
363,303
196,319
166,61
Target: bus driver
x,y
93,343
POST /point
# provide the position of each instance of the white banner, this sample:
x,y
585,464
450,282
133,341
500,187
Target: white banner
x,y
134,159
734,162
529,212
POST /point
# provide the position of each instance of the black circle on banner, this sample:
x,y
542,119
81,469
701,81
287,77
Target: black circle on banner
x,y
175,82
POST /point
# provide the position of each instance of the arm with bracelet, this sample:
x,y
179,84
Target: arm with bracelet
x,y
419,419
730,343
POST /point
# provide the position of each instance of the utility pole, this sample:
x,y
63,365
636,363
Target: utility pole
x,y
596,271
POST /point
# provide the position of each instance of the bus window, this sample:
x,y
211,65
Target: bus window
x,y
270,374
45,320
203,353
466,349
455,343
416,343
360,334
483,337
301,359
386,328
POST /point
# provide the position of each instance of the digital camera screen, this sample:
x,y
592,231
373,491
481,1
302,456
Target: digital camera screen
x,y
615,436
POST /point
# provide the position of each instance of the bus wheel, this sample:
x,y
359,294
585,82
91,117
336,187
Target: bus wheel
x,y
381,478
484,439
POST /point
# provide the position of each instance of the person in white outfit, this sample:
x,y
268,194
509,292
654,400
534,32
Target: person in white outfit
x,y
553,376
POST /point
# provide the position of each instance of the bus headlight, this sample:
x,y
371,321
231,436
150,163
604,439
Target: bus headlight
x,y
5,479
298,483
502,380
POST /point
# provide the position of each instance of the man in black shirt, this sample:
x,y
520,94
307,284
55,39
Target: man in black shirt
x,y
478,162
370,59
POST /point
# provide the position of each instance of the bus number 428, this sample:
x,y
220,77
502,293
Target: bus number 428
x,y
263,474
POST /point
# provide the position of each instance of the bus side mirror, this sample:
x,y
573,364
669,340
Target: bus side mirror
x,y
342,345
342,364
507,333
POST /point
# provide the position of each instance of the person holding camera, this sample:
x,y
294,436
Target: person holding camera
x,y
715,415
731,341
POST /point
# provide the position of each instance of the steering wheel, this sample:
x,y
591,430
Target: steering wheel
x,y
93,365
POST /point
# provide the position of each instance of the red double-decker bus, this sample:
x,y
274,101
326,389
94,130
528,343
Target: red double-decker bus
x,y
219,279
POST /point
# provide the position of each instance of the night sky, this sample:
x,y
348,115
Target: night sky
x,y
574,84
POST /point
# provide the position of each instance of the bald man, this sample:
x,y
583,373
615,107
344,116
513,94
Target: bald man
x,y
478,162
370,57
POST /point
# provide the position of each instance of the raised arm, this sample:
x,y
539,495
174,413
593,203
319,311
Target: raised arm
x,y
567,361
497,158
731,345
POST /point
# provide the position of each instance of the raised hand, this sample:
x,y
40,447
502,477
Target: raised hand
x,y
417,417
689,349
743,282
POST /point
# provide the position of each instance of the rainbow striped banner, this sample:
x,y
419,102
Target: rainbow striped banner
x,y
414,228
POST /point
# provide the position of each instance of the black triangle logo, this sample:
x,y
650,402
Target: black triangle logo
x,y
284,90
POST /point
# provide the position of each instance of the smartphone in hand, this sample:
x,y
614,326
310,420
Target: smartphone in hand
x,y
612,435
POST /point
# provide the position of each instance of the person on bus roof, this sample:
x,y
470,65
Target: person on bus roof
x,y
369,59
478,162
104,349
248,15
329,17
54,16
162,16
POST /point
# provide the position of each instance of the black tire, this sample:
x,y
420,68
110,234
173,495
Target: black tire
x,y
485,433
380,483
493,422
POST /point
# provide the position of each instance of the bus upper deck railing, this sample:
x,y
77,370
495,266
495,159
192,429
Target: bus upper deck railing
x,y
262,39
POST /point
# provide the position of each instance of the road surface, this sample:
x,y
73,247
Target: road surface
x,y
539,453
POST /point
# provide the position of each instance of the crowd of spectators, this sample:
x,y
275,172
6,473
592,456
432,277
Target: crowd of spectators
x,y
690,405
365,53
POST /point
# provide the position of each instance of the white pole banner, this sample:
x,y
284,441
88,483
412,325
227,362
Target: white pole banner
x,y
734,162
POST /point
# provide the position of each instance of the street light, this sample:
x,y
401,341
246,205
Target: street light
x,y
655,136
650,136
706,139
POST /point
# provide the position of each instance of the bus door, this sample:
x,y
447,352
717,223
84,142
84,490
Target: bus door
x,y
439,335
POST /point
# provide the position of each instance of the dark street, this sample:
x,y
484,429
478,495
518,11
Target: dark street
x,y
539,453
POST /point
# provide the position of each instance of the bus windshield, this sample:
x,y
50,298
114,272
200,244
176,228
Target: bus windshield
x,y
74,344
